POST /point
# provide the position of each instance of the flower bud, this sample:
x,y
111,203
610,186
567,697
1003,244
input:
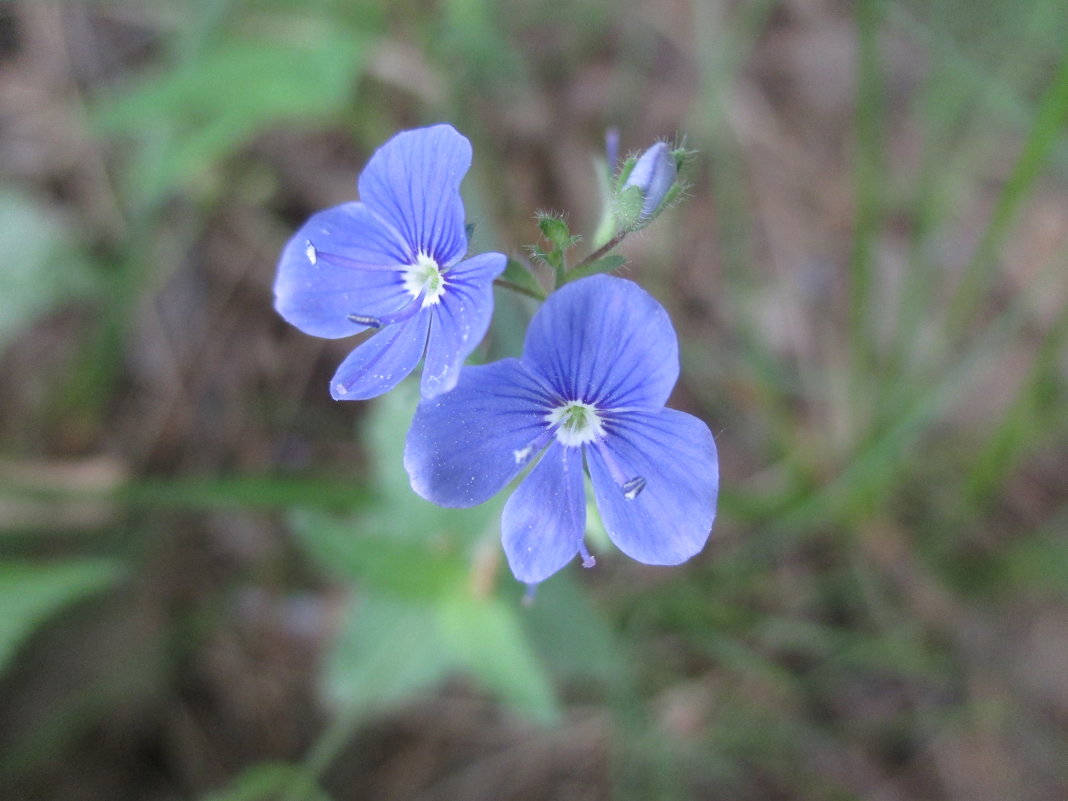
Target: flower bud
x,y
654,174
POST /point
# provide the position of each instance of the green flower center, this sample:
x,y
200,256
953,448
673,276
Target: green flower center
x,y
425,276
578,423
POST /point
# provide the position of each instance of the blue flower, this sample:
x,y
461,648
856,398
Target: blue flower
x,y
598,364
394,261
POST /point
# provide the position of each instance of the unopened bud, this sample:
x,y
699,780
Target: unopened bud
x,y
654,175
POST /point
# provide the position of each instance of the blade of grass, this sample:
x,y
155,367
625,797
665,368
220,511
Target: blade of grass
x,y
232,492
868,184
1034,416
882,457
962,99
1045,134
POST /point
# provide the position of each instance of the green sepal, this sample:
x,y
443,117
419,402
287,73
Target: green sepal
x,y
624,172
683,156
555,230
668,201
629,208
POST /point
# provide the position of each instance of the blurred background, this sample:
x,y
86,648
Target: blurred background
x,y
215,582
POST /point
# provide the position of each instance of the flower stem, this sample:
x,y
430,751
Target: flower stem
x,y
602,250
516,288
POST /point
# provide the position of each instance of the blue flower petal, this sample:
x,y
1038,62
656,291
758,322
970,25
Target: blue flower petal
x,y
604,340
460,320
342,261
462,447
544,520
669,520
380,363
413,183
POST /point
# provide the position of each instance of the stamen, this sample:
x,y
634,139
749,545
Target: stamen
x,y
631,487
587,558
315,256
523,454
406,312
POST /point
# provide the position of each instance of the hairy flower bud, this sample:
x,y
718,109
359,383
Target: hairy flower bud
x,y
653,176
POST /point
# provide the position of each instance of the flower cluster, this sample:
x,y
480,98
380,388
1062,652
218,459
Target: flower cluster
x,y
587,395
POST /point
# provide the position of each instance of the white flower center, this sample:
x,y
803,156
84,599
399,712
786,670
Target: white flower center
x,y
579,423
425,276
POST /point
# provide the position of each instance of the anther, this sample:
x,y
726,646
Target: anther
x,y
521,455
633,487
360,319
406,312
587,558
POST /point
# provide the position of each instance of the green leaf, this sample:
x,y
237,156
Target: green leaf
x,y
602,265
30,593
518,276
386,651
192,115
379,559
270,781
41,267
485,635
419,554
571,635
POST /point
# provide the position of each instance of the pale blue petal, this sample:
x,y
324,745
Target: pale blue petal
x,y
380,363
338,264
544,520
460,320
670,519
654,174
604,340
462,446
413,183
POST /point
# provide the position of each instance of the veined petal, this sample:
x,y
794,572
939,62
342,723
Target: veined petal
x,y
544,520
670,518
339,263
604,340
413,183
380,363
460,320
466,444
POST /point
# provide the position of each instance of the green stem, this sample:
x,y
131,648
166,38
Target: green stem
x,y
601,251
324,751
516,288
